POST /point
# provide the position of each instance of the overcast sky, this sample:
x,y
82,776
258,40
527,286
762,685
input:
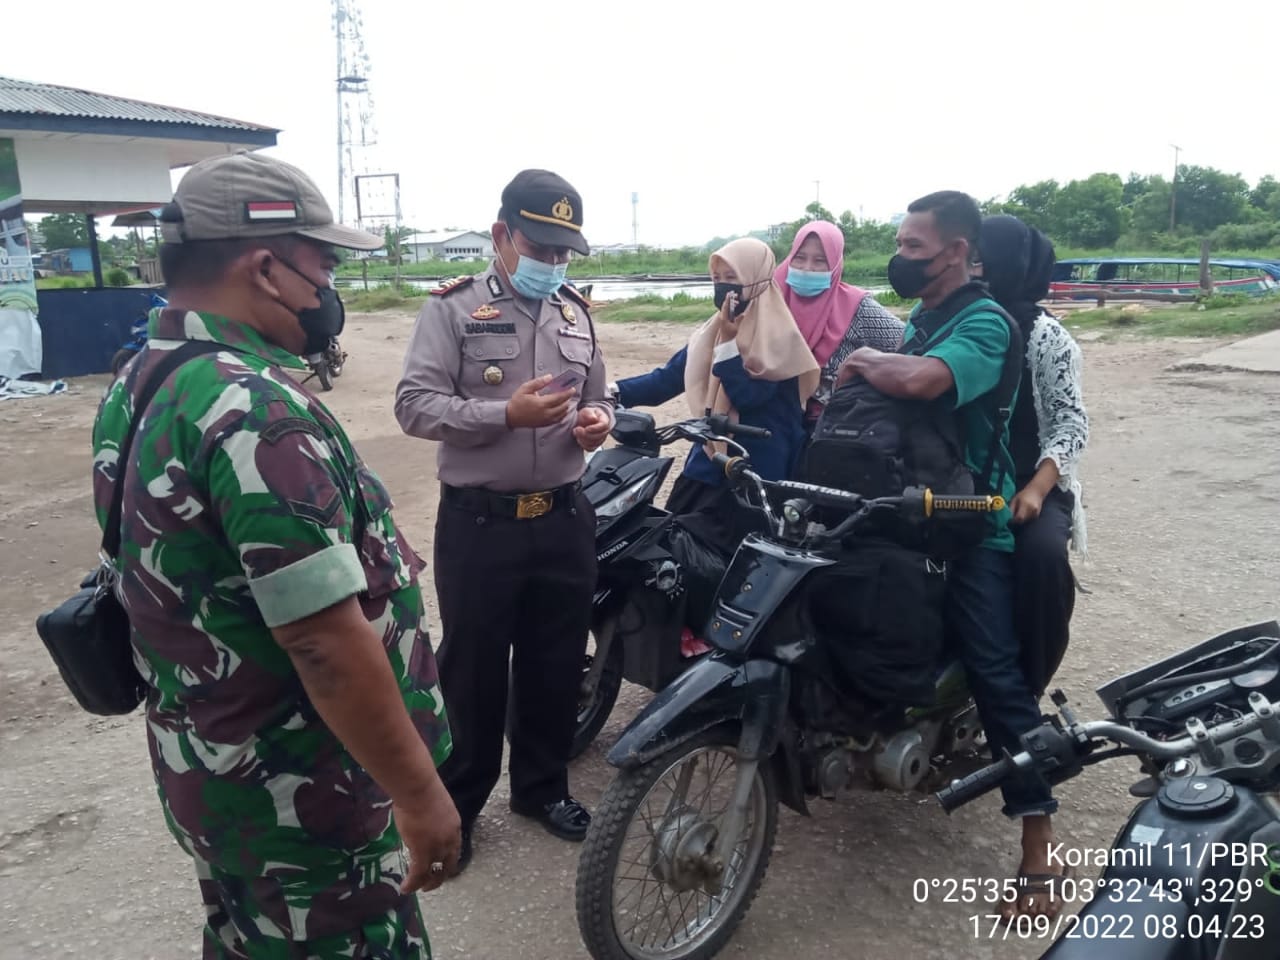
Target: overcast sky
x,y
720,120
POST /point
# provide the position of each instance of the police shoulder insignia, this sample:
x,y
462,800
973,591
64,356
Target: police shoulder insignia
x,y
494,286
574,294
486,312
449,286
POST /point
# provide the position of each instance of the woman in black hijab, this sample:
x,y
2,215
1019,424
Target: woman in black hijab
x,y
1047,433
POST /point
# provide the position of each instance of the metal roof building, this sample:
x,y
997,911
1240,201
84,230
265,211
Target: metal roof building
x,y
66,150
85,152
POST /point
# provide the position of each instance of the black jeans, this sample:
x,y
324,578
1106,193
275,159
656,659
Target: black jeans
x,y
979,609
512,592
1044,588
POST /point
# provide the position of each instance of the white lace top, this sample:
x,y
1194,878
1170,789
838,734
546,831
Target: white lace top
x,y
1054,359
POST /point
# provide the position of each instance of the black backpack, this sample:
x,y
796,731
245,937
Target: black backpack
x,y
877,446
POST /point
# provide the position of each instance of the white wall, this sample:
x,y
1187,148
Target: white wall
x,y
60,170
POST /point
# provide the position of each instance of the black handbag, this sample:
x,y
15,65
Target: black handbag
x,y
88,636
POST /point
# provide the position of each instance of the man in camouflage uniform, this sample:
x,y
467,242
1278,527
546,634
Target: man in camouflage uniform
x,y
293,713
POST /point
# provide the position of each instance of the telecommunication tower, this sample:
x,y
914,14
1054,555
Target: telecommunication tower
x,y
356,132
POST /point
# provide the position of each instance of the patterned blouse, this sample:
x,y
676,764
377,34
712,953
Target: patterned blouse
x,y
1054,358
872,326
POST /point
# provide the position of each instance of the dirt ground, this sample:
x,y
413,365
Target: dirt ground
x,y
1180,486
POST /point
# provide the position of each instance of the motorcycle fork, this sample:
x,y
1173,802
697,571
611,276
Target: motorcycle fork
x,y
749,748
604,642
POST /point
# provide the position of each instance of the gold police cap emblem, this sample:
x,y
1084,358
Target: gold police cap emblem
x,y
493,375
486,312
566,311
562,209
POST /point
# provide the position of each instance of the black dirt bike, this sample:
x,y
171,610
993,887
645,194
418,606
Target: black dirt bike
x,y
1194,873
682,836
326,366
642,586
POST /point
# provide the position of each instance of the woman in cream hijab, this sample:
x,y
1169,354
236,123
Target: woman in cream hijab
x,y
749,361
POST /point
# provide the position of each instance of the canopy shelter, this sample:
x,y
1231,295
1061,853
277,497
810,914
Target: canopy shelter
x,y
99,155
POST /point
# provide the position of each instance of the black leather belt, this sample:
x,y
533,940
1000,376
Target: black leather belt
x,y
518,506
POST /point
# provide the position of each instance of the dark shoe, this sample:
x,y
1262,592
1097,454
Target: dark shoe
x,y
464,855
566,819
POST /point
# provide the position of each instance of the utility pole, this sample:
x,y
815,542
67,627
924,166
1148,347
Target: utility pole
x,y
1173,188
356,132
817,191
338,13
635,201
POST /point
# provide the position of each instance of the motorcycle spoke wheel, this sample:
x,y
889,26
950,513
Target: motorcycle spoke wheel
x,y
665,896
594,710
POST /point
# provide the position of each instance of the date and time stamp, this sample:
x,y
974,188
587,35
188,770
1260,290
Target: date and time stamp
x,y
1174,907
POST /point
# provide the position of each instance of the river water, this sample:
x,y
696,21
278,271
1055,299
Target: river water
x,y
627,288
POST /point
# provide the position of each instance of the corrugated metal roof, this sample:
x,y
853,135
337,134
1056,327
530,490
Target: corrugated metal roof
x,y
21,96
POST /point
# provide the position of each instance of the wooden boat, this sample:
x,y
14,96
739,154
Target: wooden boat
x,y
1088,277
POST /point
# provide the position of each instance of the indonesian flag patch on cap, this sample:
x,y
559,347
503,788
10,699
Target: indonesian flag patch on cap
x,y
257,210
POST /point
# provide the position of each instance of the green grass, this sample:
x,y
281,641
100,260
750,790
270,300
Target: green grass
x,y
351,270
384,296
1220,316
680,308
1217,317
65,283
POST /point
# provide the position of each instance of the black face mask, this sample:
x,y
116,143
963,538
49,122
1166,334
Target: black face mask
x,y
909,276
722,291
322,323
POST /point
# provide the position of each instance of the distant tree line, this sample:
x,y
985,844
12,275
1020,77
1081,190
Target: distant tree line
x,y
1142,213
1150,212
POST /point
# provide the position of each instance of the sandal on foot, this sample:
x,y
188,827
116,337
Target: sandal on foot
x,y
1041,884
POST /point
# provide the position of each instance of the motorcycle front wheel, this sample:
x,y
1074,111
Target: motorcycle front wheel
x,y
323,375
650,886
594,706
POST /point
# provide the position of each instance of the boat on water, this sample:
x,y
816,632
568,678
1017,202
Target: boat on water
x,y
1087,278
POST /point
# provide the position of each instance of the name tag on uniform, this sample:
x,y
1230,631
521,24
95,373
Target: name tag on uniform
x,y
574,332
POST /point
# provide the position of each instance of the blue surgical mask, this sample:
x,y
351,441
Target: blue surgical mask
x,y
535,280
808,283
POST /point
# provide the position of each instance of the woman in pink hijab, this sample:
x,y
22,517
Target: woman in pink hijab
x,y
834,317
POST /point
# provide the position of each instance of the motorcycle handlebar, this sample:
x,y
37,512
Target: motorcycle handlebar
x,y
935,503
720,423
975,785
988,778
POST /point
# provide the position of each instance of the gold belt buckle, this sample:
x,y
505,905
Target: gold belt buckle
x,y
531,505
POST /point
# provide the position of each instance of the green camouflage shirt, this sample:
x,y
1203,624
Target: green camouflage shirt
x,y
247,508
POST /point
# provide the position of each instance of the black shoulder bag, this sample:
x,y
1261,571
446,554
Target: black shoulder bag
x,y
88,635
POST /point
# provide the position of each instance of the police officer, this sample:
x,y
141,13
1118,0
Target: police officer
x,y
503,369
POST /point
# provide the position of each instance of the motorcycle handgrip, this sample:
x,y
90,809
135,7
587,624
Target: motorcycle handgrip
x,y
720,423
732,466
935,503
975,785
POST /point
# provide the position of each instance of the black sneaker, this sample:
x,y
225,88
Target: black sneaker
x,y
566,819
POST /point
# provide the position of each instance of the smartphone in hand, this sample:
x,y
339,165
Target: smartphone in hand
x,y
568,380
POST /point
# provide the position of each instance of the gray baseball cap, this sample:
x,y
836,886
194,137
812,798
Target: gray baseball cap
x,y
244,195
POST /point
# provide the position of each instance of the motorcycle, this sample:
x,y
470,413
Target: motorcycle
x,y
642,589
1194,874
682,837
137,336
326,366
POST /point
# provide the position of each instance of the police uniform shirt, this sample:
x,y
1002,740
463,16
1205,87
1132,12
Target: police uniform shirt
x,y
473,344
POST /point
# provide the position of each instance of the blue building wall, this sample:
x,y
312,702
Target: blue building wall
x,y
82,329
